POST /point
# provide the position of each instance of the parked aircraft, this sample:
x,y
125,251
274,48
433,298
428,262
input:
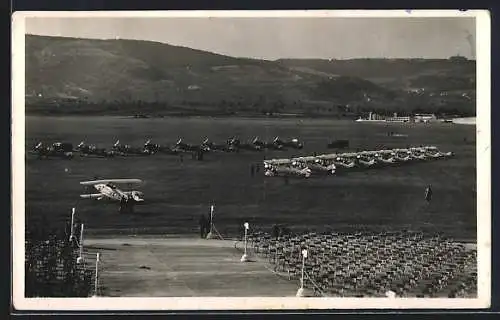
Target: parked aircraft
x,y
57,150
275,171
210,146
127,150
235,143
184,147
266,145
153,148
294,143
92,150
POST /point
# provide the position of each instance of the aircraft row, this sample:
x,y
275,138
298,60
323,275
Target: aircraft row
x,y
67,151
332,163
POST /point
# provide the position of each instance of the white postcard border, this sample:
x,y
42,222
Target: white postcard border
x,y
483,36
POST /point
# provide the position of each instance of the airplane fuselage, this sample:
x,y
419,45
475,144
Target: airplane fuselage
x,y
109,192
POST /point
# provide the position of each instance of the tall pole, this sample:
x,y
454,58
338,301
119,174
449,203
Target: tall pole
x,y
245,241
96,274
211,218
244,258
302,276
72,232
210,235
300,292
80,257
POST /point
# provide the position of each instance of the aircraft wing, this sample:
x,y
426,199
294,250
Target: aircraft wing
x,y
92,196
114,181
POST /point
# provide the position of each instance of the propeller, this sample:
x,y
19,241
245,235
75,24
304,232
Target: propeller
x,y
136,195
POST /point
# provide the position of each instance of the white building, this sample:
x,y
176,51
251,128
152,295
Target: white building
x,y
425,117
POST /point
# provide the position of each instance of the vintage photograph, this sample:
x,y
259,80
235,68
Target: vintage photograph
x,y
264,155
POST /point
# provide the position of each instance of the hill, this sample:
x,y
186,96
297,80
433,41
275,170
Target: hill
x,y
88,76
397,73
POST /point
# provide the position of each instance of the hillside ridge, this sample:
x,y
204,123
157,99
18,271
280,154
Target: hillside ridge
x,y
117,76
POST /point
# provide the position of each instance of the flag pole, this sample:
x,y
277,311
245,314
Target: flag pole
x,y
96,274
300,292
72,232
211,218
80,257
210,232
244,258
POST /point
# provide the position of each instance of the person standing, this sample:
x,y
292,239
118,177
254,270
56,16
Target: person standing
x,y
428,193
203,226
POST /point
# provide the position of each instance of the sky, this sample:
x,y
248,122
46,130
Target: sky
x,y
274,38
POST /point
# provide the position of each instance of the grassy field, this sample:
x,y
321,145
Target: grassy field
x,y
178,192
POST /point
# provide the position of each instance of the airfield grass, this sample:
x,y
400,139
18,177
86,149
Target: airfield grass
x,y
177,193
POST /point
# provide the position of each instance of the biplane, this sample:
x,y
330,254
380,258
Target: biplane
x,y
236,144
127,150
316,165
185,147
208,146
56,150
267,145
108,189
294,143
92,150
284,171
153,148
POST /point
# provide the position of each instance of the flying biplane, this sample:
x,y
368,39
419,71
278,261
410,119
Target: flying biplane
x,y
107,189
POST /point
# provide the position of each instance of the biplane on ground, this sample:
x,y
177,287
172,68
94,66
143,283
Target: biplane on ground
x,y
56,150
107,189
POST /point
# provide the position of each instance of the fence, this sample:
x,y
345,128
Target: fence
x,y
51,268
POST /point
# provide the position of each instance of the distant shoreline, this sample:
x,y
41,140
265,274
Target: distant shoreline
x,y
193,115
460,120
466,121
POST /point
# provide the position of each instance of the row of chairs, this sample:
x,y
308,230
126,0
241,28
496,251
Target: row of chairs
x,y
369,264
